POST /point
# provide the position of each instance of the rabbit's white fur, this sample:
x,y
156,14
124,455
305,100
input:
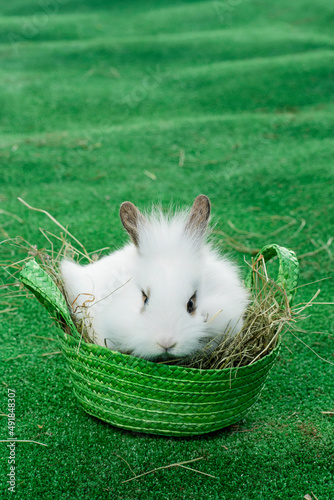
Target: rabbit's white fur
x,y
169,261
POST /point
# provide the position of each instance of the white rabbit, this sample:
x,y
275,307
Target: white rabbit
x,y
166,294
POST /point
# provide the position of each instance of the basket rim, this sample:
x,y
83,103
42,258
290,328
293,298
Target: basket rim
x,y
135,361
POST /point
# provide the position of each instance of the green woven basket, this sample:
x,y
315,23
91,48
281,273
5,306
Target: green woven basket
x,y
140,395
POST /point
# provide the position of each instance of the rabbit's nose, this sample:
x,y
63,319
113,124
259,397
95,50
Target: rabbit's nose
x,y
167,344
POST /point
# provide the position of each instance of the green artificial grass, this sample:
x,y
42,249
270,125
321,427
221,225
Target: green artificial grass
x,y
156,102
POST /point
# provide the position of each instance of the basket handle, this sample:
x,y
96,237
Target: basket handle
x,y
48,294
288,271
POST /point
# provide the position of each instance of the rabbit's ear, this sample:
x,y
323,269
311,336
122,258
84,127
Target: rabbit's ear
x,y
199,216
131,217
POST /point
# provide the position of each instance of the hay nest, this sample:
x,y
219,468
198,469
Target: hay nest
x,y
267,317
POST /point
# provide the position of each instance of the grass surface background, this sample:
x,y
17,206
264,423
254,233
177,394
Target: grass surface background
x,y
156,101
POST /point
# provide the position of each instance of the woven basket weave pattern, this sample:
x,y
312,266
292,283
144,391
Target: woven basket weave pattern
x,y
161,398
140,395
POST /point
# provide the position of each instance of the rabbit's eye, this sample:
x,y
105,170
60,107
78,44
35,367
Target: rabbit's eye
x,y
191,305
145,297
